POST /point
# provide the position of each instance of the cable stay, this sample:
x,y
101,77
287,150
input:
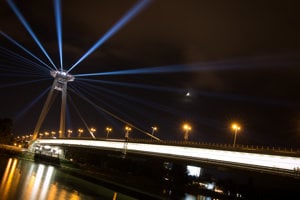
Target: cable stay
x,y
81,117
114,116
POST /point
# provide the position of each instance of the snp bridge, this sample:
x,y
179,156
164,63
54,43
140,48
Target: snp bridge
x,y
275,164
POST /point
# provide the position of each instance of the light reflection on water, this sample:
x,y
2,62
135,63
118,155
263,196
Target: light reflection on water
x,y
35,181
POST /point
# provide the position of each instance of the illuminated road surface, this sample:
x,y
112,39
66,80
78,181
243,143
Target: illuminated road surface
x,y
248,160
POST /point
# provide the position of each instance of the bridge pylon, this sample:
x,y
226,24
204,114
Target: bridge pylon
x,y
61,78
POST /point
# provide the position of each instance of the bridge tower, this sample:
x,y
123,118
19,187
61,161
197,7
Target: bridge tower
x,y
61,78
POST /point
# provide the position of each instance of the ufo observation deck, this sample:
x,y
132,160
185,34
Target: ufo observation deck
x,y
61,79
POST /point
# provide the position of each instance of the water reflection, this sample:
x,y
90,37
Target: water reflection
x,y
28,180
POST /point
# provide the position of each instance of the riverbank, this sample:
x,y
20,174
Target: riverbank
x,y
12,150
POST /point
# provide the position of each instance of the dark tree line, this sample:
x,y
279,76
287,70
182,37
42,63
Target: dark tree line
x,y
6,136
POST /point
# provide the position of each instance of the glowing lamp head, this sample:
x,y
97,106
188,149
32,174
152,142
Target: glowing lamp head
x,y
235,126
92,130
154,128
127,128
186,127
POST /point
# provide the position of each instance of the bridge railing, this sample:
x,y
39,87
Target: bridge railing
x,y
238,147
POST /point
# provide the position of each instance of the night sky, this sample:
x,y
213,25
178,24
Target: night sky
x,y
239,61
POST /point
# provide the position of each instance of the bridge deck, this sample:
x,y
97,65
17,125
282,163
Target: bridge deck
x,y
251,160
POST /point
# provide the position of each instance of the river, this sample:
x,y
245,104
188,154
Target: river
x,y
23,179
27,180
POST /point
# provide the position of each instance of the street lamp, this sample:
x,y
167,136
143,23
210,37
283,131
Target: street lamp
x,y
154,128
127,130
53,134
80,131
186,128
108,130
60,133
69,132
236,128
46,134
92,131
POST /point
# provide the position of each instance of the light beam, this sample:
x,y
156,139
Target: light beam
x,y
124,20
30,31
16,57
57,5
25,110
115,116
133,99
134,85
251,63
24,49
22,83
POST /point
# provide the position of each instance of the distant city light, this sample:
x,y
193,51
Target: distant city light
x,y
193,170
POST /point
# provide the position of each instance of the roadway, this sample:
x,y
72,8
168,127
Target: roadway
x,y
278,164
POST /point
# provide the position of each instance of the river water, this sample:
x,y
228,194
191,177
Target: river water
x,y
23,179
27,180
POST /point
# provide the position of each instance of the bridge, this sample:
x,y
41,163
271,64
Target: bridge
x,y
257,161
62,77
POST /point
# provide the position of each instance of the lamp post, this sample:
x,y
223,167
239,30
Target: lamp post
x,y
60,133
46,134
92,131
186,128
154,128
236,128
69,132
80,131
108,130
53,134
127,130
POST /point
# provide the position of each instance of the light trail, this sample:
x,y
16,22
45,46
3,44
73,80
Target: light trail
x,y
271,162
30,31
24,49
57,6
27,107
123,21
